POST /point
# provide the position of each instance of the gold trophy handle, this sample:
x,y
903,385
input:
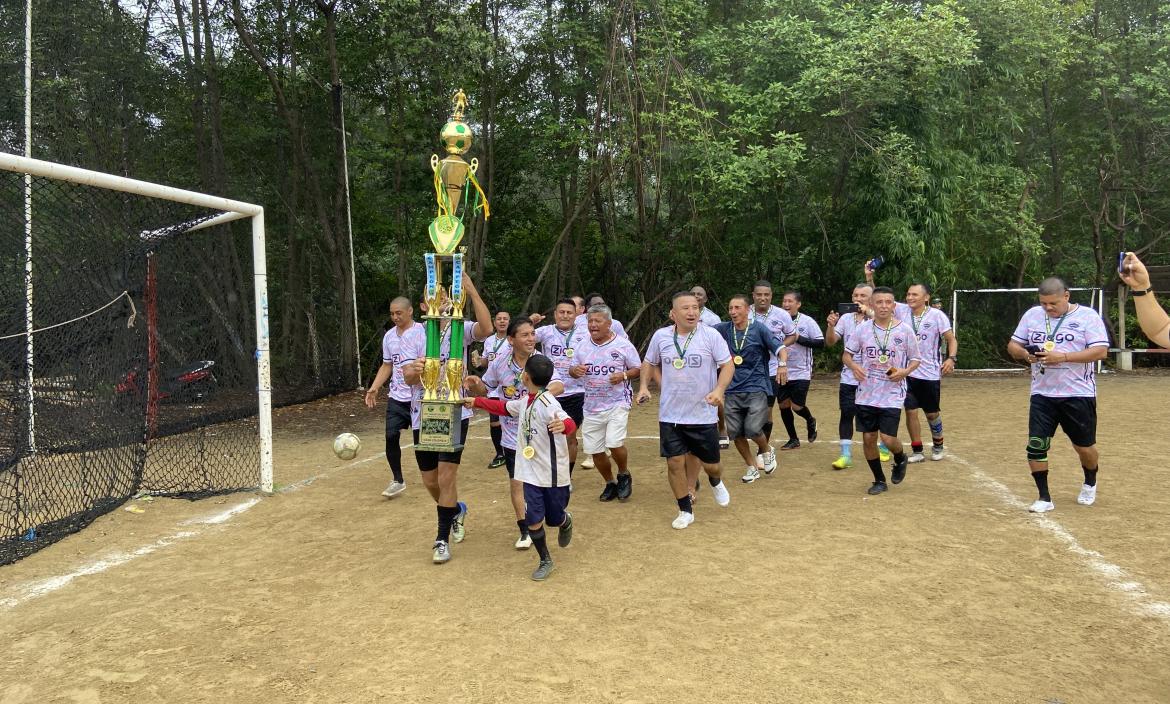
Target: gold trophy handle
x,y
454,379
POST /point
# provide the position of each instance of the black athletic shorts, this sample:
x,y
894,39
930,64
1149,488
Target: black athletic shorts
x,y
575,406
795,391
1076,416
847,399
871,419
429,461
923,393
775,391
702,441
510,462
397,417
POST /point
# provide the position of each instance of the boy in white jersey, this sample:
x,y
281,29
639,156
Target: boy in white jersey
x,y
398,348
793,395
695,366
782,328
840,327
881,353
542,463
559,343
606,362
924,385
440,469
495,346
1062,342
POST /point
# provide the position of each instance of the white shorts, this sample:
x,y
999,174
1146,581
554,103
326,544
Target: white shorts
x,y
604,430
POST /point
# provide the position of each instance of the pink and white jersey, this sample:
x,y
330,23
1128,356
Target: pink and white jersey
x,y
1079,329
800,358
684,390
503,380
420,352
845,326
868,342
902,311
561,347
601,361
398,350
582,321
496,346
780,324
929,328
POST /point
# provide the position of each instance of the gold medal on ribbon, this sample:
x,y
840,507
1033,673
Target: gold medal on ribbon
x,y
509,391
737,359
679,363
883,358
569,352
529,452
1049,346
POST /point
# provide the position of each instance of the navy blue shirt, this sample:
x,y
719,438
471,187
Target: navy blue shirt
x,y
756,348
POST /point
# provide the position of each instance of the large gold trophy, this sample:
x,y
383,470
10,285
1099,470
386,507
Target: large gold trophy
x,y
458,196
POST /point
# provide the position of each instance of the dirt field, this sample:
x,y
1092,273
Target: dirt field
x,y
803,590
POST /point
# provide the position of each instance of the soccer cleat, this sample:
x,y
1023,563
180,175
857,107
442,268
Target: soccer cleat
x,y
609,493
1087,496
442,552
876,488
543,571
565,534
938,452
497,461
587,463
683,520
769,461
842,462
1041,506
625,482
884,453
457,530
812,430
395,488
750,475
524,542
916,457
724,442
899,472
722,497
792,444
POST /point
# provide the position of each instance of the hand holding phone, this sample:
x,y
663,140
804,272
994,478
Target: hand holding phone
x,y
847,308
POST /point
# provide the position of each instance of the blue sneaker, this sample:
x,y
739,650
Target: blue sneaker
x,y
457,530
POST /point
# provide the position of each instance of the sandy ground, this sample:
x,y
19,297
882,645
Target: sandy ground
x,y
803,590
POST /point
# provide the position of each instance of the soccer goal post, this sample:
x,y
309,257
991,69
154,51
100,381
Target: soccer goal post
x,y
989,316
138,360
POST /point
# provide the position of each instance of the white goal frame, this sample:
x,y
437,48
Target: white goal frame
x,y
1097,303
231,210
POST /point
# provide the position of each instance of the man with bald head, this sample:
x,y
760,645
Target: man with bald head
x,y
397,350
706,315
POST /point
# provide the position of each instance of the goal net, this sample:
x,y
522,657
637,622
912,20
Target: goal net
x,y
984,320
130,356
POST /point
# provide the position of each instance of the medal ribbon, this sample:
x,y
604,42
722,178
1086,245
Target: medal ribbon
x,y
526,419
1051,332
499,343
737,342
682,351
568,338
916,320
883,346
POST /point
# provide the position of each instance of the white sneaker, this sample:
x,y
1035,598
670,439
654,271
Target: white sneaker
x,y
916,457
442,552
587,463
721,496
524,542
750,475
1087,496
769,461
1039,506
938,452
394,489
683,520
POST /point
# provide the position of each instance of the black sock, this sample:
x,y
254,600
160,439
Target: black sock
x,y
789,422
1090,475
447,514
806,414
684,504
497,433
523,526
541,545
899,457
917,447
714,481
1041,479
875,466
394,456
768,430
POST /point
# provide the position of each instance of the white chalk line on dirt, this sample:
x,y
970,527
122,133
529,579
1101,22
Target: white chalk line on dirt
x,y
1114,576
39,588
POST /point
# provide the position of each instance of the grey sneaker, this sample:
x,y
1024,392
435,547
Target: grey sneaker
x,y
565,534
395,488
543,571
916,457
458,533
938,452
442,552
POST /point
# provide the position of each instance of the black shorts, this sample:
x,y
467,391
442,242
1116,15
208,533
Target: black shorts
x,y
922,393
774,392
545,503
510,462
702,441
397,417
795,391
847,399
1076,416
429,461
575,406
871,419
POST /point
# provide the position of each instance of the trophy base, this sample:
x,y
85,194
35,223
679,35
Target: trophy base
x,y
440,426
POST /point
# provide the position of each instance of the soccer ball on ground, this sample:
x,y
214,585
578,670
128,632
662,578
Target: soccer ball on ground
x,y
346,446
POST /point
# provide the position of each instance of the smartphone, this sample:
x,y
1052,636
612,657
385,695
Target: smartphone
x,y
876,263
890,371
847,308
1121,263
1034,349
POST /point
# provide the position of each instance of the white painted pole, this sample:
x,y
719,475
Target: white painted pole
x,y
357,338
30,375
955,312
263,361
